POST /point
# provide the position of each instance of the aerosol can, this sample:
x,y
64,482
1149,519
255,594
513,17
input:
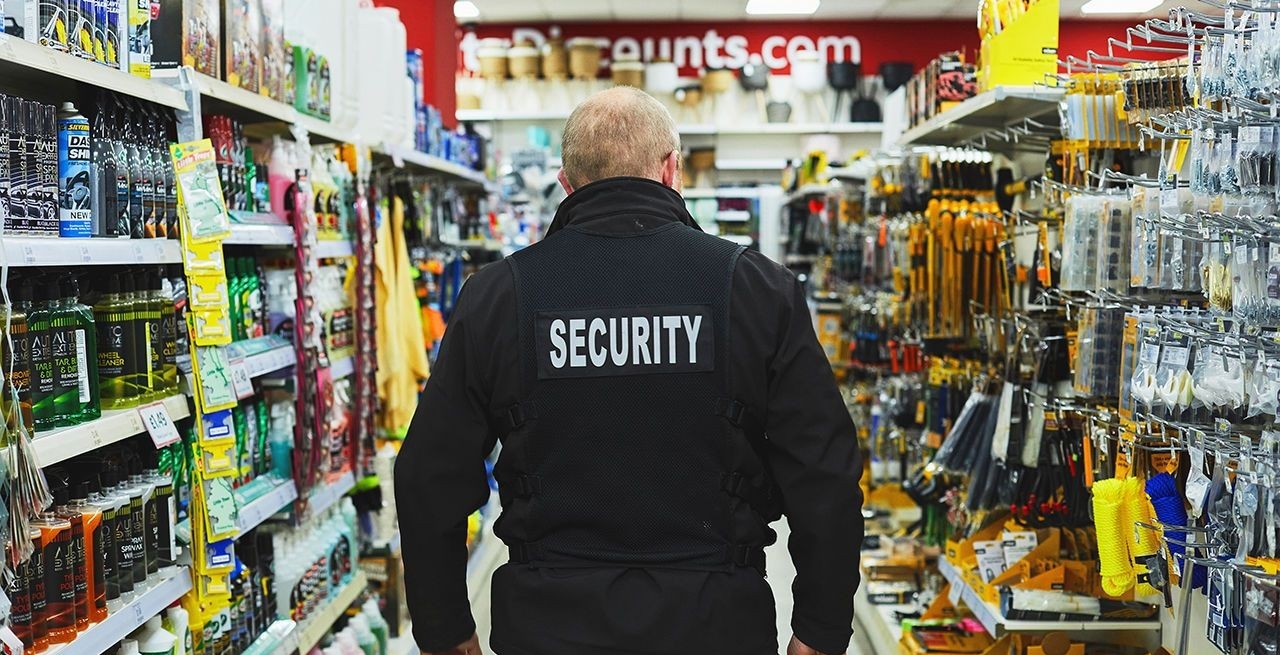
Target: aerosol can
x,y
75,190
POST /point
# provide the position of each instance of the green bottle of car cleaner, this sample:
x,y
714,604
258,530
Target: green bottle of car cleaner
x,y
86,355
169,326
155,334
113,315
42,369
140,340
75,352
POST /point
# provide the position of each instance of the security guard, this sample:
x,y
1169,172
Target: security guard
x,y
661,398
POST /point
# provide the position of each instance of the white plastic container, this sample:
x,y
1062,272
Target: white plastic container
x,y
153,639
179,623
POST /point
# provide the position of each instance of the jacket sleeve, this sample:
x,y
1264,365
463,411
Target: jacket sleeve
x,y
814,454
440,480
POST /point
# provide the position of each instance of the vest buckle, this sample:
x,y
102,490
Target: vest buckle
x,y
745,555
519,414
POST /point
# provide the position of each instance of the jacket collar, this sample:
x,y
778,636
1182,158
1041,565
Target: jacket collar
x,y
622,205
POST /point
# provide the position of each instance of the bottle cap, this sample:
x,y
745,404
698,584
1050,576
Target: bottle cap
x,y
113,284
60,496
80,491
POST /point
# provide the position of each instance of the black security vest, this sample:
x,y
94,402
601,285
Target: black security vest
x,y
627,448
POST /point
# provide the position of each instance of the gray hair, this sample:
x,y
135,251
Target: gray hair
x,y
622,131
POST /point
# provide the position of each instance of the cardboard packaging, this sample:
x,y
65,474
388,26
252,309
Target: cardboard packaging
x,y
242,36
274,54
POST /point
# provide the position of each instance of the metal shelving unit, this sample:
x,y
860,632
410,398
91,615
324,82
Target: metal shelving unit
x,y
101,636
995,623
30,64
265,355
281,638
57,251
253,513
987,111
328,248
326,496
60,445
404,157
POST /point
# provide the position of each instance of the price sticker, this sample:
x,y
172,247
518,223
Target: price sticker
x,y
953,594
240,380
86,255
138,255
137,613
156,419
29,254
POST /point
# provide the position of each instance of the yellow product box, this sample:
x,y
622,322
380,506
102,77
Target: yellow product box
x,y
1025,52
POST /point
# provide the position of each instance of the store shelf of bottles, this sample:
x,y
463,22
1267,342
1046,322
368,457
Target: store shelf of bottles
x,y
401,157
253,513
995,623
315,628
117,425
330,248
52,251
26,65
100,637
280,638
264,355
987,111
342,367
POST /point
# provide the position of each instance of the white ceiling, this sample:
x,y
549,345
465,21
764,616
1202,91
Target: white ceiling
x,y
536,11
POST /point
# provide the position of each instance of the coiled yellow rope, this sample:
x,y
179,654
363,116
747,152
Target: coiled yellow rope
x,y
1109,517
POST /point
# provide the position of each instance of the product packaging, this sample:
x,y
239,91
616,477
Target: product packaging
x,y
167,34
274,52
140,46
242,32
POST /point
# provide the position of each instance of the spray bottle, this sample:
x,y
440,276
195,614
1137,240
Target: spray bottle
x,y
75,191
59,573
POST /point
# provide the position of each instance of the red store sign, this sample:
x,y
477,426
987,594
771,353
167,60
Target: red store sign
x,y
697,45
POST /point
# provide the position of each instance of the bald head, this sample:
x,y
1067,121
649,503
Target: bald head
x,y
620,132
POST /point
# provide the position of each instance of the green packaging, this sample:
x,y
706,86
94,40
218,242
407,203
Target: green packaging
x,y
117,361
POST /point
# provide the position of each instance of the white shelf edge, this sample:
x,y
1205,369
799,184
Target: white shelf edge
x,y
21,250
101,636
265,506
401,156
341,368
751,164
280,638
972,105
118,425
996,625
255,102
271,361
29,55
251,234
324,497
733,216
328,248
315,628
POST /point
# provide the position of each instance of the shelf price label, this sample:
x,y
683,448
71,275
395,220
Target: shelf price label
x,y
240,380
156,419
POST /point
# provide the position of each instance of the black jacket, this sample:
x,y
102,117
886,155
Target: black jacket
x,y
811,449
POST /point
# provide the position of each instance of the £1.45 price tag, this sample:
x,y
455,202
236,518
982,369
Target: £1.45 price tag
x,y
240,380
156,419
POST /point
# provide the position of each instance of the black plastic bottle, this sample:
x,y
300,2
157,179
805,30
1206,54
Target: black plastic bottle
x,y
109,505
